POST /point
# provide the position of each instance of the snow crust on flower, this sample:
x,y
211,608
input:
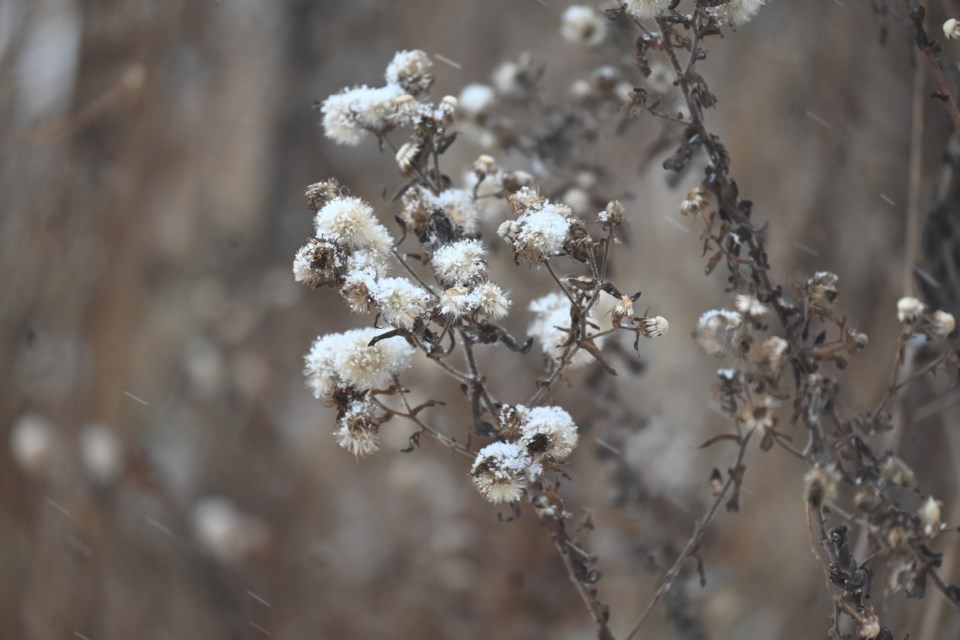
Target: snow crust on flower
x,y
552,316
547,432
318,263
486,300
541,228
716,329
350,114
410,70
646,8
350,221
460,263
500,471
583,25
739,12
401,302
344,359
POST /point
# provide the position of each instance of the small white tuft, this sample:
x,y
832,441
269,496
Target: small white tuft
x,y
550,328
583,25
350,221
345,359
500,471
460,263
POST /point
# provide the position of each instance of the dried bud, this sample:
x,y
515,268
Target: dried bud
x,y
623,310
821,291
868,626
909,309
750,307
446,110
613,215
319,263
772,354
500,471
358,430
654,327
819,486
410,70
856,341
897,536
407,156
896,472
951,29
760,414
321,193
694,202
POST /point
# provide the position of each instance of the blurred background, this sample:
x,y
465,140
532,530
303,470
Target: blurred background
x,y
164,473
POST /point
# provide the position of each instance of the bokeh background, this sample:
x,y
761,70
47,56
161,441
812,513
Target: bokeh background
x,y
177,480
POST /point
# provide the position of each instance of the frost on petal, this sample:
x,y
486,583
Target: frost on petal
x,y
345,359
646,8
547,432
401,302
550,328
460,263
500,471
350,221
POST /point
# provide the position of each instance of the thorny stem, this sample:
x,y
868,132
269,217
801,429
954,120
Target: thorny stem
x,y
693,543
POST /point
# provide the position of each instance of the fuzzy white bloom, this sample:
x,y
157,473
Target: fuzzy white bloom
x,y
772,354
406,156
459,205
457,302
716,330
654,327
511,77
224,531
942,323
552,317
410,70
583,25
345,359
646,8
577,199
350,114
750,307
460,263
101,452
477,99
364,268
909,309
541,228
500,471
930,517
739,12
491,301
401,302
350,221
358,429
318,263
951,29
547,432
31,442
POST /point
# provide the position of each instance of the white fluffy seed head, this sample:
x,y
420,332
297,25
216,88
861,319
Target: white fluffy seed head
x,y
345,359
951,29
646,8
654,327
547,432
491,301
401,302
738,12
476,100
460,263
541,227
550,328
410,70
31,442
717,329
101,452
352,113
501,470
750,306
909,309
942,323
583,25
358,430
350,222
456,302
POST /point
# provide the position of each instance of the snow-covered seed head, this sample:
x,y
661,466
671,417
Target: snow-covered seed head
x,y
491,301
461,208
31,442
717,329
909,309
476,100
351,114
319,263
646,8
613,215
772,355
406,156
894,470
951,29
654,327
101,452
410,70
320,193
401,302
500,471
750,307
350,222
737,12
541,228
358,430
460,263
550,328
513,78
868,626
819,486
346,360
821,290
547,433
456,302
694,202
929,513
942,323
583,25
760,414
